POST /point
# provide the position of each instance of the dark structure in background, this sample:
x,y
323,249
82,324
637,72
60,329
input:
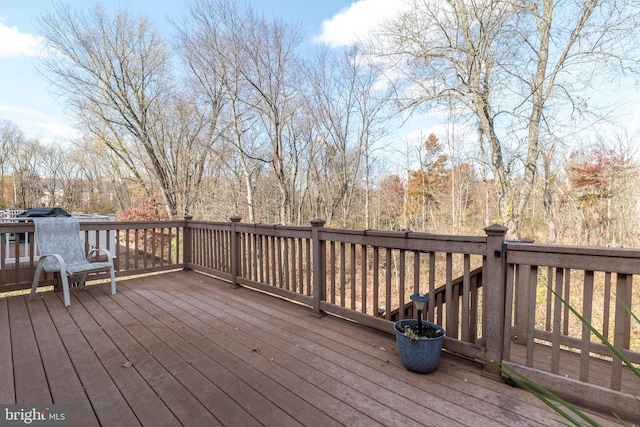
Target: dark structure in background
x,y
39,213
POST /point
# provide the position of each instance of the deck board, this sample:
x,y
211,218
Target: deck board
x,y
29,376
7,389
182,348
366,364
252,367
180,357
262,346
63,382
151,357
134,390
377,397
83,338
599,371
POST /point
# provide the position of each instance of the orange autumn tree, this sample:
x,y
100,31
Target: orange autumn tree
x,y
600,180
390,201
146,210
426,184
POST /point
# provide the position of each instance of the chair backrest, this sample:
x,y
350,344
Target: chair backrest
x,y
59,235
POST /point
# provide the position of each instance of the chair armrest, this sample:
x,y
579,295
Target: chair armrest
x,y
62,265
95,250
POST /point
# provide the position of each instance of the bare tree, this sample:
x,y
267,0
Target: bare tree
x,y
245,64
115,73
26,168
100,182
271,64
54,158
10,138
513,65
349,107
209,44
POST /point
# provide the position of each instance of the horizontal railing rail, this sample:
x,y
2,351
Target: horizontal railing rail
x,y
457,285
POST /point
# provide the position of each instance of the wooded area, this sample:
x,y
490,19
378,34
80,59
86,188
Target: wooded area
x,y
236,116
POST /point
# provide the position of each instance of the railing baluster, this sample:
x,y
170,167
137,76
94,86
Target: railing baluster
x,y
343,276
352,276
466,295
401,282
293,263
416,274
363,278
432,287
606,312
531,284
547,325
622,325
387,281
451,313
376,280
557,319
587,298
567,298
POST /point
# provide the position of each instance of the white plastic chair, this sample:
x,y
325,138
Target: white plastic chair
x,y
61,249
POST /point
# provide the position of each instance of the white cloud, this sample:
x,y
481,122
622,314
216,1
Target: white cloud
x,y
59,130
38,124
356,21
15,110
14,43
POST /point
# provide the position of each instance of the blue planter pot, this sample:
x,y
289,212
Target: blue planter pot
x,y
420,356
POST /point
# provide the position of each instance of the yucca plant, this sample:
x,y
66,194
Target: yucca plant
x,y
572,416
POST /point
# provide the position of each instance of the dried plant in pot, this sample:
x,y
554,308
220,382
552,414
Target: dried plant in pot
x,y
419,342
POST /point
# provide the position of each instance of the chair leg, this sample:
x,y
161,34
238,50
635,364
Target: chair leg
x,y
113,280
36,279
82,281
65,288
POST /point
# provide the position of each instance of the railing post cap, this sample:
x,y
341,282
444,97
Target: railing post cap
x,y
318,222
188,217
496,229
235,218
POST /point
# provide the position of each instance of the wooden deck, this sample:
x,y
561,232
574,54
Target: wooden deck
x,y
182,348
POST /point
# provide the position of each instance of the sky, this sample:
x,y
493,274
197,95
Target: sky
x,y
26,101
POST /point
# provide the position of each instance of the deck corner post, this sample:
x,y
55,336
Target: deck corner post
x,y
187,244
235,251
319,271
494,299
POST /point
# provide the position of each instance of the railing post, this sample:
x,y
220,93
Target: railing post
x,y
187,244
319,270
494,289
235,251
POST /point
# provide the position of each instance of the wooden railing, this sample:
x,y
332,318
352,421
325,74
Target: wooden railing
x,y
138,248
488,293
546,342
494,297
364,275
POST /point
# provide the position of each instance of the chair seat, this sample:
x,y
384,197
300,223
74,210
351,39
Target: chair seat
x,y
87,267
